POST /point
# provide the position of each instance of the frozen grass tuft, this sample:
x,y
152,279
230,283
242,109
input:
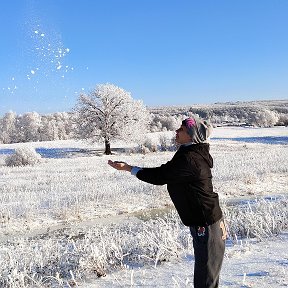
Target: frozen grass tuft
x,y
259,218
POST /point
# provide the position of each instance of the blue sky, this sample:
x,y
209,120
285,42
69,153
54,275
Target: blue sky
x,y
162,51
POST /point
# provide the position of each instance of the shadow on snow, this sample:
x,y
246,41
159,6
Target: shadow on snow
x,y
265,140
59,152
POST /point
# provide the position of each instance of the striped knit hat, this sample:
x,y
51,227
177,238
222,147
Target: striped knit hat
x,y
198,129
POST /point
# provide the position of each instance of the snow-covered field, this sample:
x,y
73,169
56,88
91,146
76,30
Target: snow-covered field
x,y
61,218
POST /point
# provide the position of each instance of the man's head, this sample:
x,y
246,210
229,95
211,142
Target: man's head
x,y
193,130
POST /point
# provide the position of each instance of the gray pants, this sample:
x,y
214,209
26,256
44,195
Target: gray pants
x,y
209,247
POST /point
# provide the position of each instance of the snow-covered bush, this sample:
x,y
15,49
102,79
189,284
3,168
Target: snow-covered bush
x,y
23,156
150,145
162,141
264,118
167,143
283,120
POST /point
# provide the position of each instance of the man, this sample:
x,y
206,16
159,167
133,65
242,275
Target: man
x,y
189,183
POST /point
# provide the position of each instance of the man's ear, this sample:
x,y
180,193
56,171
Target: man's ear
x,y
190,137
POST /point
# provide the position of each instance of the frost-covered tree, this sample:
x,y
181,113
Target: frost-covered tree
x,y
49,129
264,118
8,127
57,126
28,127
63,124
109,112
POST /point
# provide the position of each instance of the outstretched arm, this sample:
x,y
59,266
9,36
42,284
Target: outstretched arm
x,y
119,165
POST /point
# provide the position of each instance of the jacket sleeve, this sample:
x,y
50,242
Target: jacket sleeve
x,y
178,170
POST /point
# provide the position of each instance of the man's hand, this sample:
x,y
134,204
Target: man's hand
x,y
119,165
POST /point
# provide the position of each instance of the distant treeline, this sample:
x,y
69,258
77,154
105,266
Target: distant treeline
x,y
254,113
32,126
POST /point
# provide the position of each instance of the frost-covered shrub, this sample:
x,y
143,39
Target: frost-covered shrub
x,y
23,156
264,118
283,120
167,143
140,149
150,145
162,142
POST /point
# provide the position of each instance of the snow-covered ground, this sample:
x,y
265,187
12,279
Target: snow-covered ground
x,y
40,206
246,132
246,264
